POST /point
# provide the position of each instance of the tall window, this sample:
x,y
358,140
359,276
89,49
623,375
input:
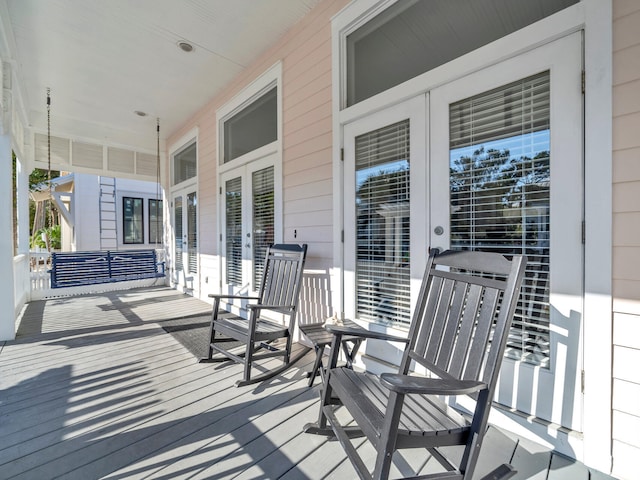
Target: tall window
x,y
155,221
382,216
133,220
252,127
500,183
185,164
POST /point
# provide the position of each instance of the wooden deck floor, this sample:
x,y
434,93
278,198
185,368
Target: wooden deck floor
x,y
93,387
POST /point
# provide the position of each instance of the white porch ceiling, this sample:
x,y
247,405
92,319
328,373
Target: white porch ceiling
x,y
105,59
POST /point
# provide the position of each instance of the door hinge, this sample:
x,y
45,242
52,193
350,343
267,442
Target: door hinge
x,y
220,237
342,154
583,82
582,381
584,233
342,236
220,190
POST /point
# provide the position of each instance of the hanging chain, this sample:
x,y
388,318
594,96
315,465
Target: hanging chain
x,y
158,225
50,206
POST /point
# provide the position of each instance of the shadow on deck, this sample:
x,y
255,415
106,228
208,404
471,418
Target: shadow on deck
x,y
93,387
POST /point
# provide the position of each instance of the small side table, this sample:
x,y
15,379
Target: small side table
x,y
320,338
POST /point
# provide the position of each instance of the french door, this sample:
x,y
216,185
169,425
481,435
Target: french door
x,y
247,224
492,161
185,240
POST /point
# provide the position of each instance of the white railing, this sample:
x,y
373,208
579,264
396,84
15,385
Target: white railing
x,y
40,264
21,286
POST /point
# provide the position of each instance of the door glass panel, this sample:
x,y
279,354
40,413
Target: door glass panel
x,y
263,220
233,226
192,232
499,186
382,230
177,220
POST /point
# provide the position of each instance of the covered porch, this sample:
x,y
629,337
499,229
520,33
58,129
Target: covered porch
x,y
94,386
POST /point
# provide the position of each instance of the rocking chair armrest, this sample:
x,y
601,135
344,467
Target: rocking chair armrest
x,y
223,295
264,306
430,386
358,331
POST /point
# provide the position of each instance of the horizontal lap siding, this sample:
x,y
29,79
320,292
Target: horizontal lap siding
x,y
626,237
307,163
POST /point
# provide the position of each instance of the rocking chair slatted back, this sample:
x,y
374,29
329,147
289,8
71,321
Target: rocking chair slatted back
x,y
282,278
465,316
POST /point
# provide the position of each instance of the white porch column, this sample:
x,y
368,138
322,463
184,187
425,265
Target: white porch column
x,y
23,206
7,300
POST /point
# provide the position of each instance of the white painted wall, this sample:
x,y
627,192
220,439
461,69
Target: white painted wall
x,y
86,191
86,206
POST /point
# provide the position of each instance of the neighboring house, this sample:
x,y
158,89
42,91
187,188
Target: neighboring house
x,y
105,213
116,214
375,130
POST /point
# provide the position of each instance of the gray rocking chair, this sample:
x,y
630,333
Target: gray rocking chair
x,y
458,333
279,291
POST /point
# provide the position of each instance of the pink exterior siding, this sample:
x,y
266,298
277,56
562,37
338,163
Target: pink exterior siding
x,y
305,53
626,236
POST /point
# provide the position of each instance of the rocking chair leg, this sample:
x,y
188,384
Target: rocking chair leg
x,y
321,427
248,360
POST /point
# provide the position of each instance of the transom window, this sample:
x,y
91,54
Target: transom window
x,y
255,126
185,164
412,37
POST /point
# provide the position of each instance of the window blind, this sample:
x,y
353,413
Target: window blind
x,y
263,220
192,232
500,194
177,220
382,224
233,210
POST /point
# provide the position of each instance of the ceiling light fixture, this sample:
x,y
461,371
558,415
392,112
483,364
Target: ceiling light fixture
x,y
185,46
140,113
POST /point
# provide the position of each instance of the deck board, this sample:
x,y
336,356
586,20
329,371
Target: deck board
x,y
93,387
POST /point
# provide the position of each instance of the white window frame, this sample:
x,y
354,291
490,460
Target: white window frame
x,y
183,142
191,185
261,85
596,19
